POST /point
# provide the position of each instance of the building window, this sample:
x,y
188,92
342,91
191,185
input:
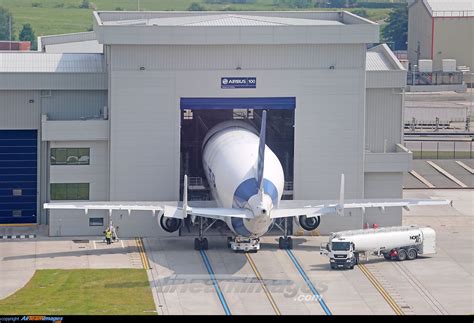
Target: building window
x,y
16,213
70,191
17,192
70,156
96,222
188,114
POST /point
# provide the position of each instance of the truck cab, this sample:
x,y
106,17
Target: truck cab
x,y
341,253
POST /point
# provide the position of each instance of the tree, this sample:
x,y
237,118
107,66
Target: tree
x,y
27,34
396,30
5,19
195,6
337,3
85,4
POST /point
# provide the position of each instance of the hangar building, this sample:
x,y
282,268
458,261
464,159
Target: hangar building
x,y
441,29
124,120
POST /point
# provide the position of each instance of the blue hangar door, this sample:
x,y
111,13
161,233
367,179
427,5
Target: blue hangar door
x,y
18,176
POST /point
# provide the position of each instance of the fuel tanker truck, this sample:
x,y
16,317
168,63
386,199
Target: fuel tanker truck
x,y
393,243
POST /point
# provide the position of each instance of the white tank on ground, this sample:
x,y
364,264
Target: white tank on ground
x,y
386,239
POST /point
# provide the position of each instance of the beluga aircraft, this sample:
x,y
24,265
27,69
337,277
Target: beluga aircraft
x,y
246,181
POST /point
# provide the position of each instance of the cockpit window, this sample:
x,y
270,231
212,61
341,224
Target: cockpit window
x,y
341,246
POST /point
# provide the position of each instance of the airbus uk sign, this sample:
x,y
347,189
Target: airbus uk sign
x,y
238,82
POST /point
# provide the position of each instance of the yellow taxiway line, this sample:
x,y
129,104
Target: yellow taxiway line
x,y
264,286
141,251
391,302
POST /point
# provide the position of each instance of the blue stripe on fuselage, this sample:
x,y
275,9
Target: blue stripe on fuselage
x,y
239,227
243,193
249,188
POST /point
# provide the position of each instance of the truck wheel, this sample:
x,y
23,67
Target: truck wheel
x,y
402,255
412,254
387,256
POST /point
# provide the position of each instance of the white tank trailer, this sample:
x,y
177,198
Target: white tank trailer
x,y
393,243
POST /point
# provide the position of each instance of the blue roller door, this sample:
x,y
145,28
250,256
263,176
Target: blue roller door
x,y
271,103
18,176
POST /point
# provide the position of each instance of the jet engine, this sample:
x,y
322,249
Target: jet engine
x,y
309,224
170,224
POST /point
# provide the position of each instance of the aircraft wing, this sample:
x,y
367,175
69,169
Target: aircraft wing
x,y
288,208
109,205
170,209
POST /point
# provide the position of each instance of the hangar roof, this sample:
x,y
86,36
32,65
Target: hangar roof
x,y
35,62
46,71
448,8
378,62
381,58
252,27
383,68
224,20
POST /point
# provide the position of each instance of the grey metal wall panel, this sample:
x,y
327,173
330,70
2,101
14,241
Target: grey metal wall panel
x,y
20,110
419,32
383,119
73,105
383,185
386,79
53,81
144,126
454,39
230,57
329,134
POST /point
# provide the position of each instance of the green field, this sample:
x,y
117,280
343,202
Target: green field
x,y
50,17
83,291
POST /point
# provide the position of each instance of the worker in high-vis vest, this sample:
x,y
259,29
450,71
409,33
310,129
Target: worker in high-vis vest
x,y
108,235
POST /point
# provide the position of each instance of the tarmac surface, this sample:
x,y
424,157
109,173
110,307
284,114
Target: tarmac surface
x,y
438,179
182,284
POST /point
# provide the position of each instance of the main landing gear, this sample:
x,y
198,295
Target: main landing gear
x,y
201,242
285,242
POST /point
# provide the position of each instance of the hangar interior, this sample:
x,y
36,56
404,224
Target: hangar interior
x,y
122,119
197,120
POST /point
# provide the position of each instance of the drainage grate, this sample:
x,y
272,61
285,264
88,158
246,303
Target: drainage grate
x,y
80,241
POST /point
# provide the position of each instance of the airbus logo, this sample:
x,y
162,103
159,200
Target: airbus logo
x,y
238,82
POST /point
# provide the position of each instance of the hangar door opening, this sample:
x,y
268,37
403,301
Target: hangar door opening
x,y
199,115
18,176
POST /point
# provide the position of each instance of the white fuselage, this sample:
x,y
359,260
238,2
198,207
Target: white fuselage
x,y
230,154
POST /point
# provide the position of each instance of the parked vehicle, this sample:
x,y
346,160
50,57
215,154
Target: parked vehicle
x,y
393,243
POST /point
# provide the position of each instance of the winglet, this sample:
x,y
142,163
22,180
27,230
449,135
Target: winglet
x,y
340,207
261,151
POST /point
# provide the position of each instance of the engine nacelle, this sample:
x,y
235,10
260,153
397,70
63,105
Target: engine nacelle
x,y
309,224
170,224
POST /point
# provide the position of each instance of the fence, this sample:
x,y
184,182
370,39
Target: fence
x,y
440,149
434,78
